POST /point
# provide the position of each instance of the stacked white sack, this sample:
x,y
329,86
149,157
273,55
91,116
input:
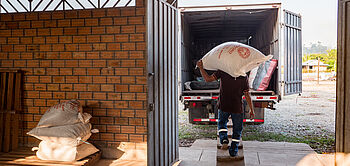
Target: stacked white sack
x,y
63,128
234,58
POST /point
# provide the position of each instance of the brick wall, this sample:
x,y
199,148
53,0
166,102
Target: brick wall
x,y
97,56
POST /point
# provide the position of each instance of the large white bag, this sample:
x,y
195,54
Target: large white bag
x,y
59,152
234,58
65,113
71,135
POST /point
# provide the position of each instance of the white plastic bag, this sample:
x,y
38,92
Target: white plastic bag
x,y
234,58
59,152
65,113
71,135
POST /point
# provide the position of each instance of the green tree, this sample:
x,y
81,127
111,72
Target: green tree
x,y
329,58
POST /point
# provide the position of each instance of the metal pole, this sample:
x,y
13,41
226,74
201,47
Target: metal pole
x,y
318,70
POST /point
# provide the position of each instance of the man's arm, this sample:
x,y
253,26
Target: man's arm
x,y
250,103
207,78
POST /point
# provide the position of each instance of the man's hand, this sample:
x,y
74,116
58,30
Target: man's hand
x,y
200,64
251,114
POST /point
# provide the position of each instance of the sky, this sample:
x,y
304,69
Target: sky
x,y
319,17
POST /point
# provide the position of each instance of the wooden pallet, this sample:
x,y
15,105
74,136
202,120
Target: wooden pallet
x,y
24,156
10,108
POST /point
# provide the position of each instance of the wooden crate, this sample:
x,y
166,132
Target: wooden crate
x,y
24,156
10,108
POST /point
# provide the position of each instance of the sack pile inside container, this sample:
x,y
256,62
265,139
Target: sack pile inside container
x,y
63,131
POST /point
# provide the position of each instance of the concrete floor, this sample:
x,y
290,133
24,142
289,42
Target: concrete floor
x,y
203,153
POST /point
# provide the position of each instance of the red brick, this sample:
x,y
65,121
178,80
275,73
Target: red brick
x,y
85,79
31,94
136,121
26,40
13,40
113,63
106,21
107,71
59,95
135,20
140,46
56,31
113,79
45,16
79,39
113,46
136,37
100,96
58,47
141,63
122,137
28,117
38,40
120,21
85,47
114,96
20,32
78,55
45,79
128,63
93,87
136,104
136,55
101,128
121,71
93,71
79,71
71,79
33,110
18,17
141,130
91,22
121,104
71,63
128,129
53,87
66,87
71,47
32,16
107,55
106,120
7,63
79,87
71,14
122,38
113,129
20,63
128,12
93,38
99,47
39,102
99,13
136,71
65,39
128,96
72,95
45,95
6,33
85,63
7,48
99,79
64,23
107,88
37,24
50,23
136,138
113,29
46,47
140,11
70,31
84,30
122,88
140,29
84,13
58,79
6,17
78,22
39,71
128,80
99,63
65,55
32,63
52,39
128,29
113,12
52,102
136,88
107,38
98,30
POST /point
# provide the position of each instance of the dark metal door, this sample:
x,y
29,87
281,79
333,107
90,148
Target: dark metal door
x,y
292,53
162,83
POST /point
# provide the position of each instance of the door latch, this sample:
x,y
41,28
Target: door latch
x,y
151,107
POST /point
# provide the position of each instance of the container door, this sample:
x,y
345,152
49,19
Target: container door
x,y
292,53
162,83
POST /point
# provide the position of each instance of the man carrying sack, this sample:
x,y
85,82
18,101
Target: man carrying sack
x,y
230,104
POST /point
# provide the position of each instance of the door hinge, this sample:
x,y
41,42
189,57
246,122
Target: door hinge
x,y
151,107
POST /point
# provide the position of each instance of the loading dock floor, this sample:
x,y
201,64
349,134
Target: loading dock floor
x,y
203,153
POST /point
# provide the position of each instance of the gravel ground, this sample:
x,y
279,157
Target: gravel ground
x,y
311,114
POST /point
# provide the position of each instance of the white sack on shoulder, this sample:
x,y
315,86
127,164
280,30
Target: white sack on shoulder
x,y
71,135
65,113
234,58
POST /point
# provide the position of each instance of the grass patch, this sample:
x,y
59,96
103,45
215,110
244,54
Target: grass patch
x,y
321,144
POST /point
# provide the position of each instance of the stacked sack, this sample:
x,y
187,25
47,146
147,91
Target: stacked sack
x,y
64,130
234,58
